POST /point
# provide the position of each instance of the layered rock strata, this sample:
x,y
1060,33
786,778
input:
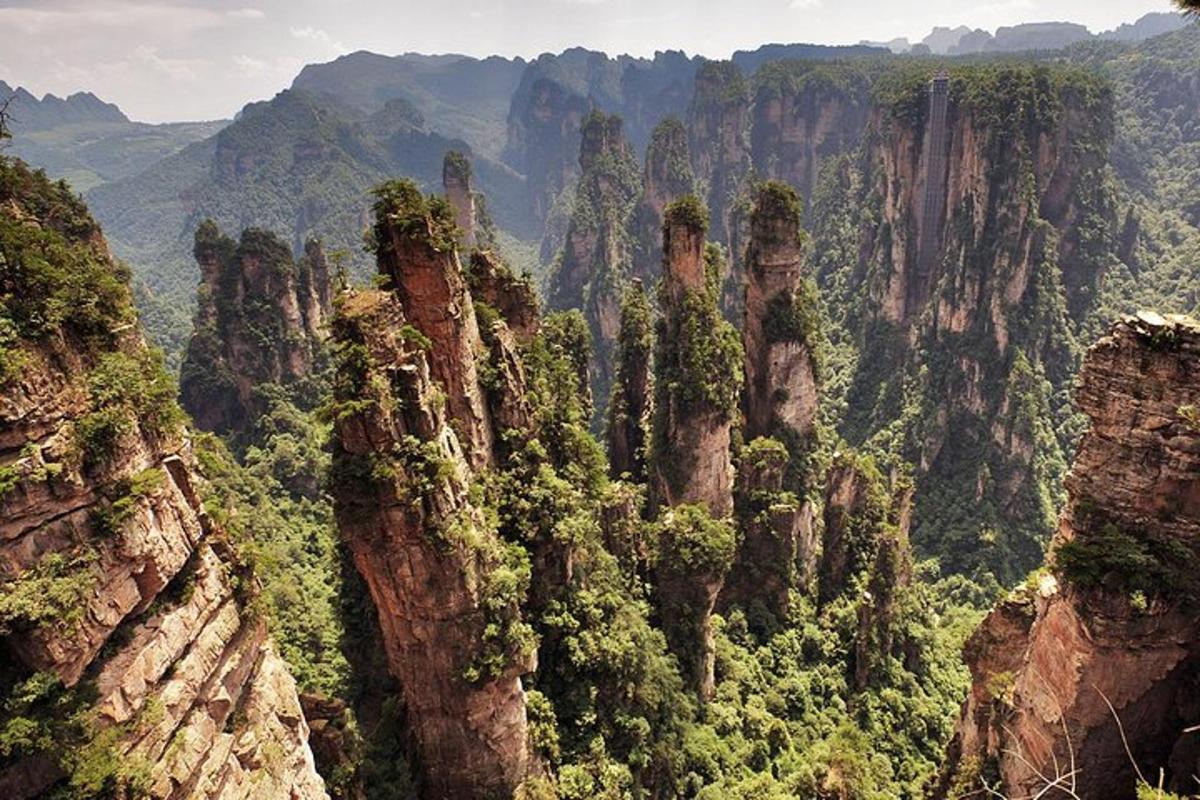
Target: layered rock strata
x,y
121,598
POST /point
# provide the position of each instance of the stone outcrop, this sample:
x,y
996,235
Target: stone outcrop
x,y
593,266
456,183
629,410
1110,631
666,176
514,298
260,320
401,482
119,587
416,251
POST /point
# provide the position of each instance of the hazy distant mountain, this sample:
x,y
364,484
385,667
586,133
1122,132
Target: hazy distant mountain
x,y
460,96
30,114
900,44
1032,36
88,141
750,60
1153,24
941,40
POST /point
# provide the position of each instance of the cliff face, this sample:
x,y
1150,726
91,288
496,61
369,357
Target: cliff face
x,y
260,320
1113,621
427,555
666,176
132,653
973,238
594,263
803,114
416,251
718,131
439,574
543,139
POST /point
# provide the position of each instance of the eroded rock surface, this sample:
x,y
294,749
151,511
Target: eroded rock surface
x,y
1114,620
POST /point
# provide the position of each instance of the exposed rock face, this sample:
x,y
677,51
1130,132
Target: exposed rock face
x,y
456,182
629,411
858,512
718,131
492,282
427,554
983,313
889,576
260,320
803,114
117,583
1115,621
697,375
594,263
666,176
543,137
781,322
416,251
778,549
693,410
695,553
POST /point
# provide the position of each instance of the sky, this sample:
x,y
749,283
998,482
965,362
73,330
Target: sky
x,y
173,60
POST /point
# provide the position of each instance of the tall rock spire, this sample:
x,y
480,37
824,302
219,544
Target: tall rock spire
x,y
697,369
406,389
780,402
629,410
698,377
456,183
260,320
593,266
666,176
415,241
781,322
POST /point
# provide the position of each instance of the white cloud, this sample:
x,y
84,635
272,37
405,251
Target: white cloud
x,y
245,13
804,4
319,36
281,67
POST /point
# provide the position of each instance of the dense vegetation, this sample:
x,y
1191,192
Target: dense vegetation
x,y
853,693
